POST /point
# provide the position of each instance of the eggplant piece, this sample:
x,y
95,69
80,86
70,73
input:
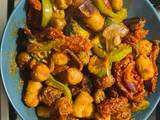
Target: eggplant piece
x,y
135,23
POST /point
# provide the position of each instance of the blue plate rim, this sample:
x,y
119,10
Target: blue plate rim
x,y
1,59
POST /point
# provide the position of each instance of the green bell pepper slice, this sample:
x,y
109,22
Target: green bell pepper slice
x,y
120,53
64,88
47,12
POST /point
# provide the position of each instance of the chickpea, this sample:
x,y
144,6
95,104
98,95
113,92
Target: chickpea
x,y
117,4
23,59
40,72
31,95
74,76
83,107
58,23
99,96
60,58
143,47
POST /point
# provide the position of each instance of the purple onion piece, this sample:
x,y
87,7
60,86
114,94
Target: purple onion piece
x,y
87,8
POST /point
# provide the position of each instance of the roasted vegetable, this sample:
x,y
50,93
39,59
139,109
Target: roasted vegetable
x,y
43,111
46,12
60,58
115,107
55,39
74,76
135,23
82,106
40,72
75,29
141,105
99,96
84,57
129,80
93,19
137,31
99,67
56,84
97,46
118,54
145,67
36,47
143,47
61,110
117,4
49,95
111,32
31,94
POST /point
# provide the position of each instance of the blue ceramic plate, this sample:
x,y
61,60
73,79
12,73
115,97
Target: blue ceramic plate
x,y
10,73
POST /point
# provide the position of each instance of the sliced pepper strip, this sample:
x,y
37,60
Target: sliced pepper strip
x,y
119,16
103,8
46,12
56,84
99,52
120,53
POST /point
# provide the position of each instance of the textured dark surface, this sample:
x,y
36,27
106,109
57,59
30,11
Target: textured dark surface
x,y
156,3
